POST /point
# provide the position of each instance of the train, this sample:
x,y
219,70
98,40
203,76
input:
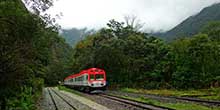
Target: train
x,y
88,80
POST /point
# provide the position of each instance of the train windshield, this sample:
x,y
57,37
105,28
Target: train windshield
x,y
92,77
99,76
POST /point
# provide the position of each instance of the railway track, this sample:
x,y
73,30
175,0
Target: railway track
x,y
167,98
135,103
217,103
191,99
60,103
53,100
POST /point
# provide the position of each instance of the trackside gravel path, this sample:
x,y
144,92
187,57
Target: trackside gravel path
x,y
47,102
59,102
85,101
55,99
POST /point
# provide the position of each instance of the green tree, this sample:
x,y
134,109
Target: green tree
x,y
197,60
212,29
27,52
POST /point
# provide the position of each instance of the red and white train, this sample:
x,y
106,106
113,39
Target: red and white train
x,y
87,80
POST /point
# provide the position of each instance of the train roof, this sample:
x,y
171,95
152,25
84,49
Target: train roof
x,y
82,72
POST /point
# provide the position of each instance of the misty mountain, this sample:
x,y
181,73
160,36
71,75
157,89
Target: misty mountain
x,y
193,24
72,36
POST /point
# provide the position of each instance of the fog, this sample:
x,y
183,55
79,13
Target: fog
x,y
157,15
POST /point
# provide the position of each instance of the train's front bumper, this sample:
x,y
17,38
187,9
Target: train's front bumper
x,y
97,84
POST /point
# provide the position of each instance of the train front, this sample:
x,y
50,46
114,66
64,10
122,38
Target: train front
x,y
97,79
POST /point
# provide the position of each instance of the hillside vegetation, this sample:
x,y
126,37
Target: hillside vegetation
x,y
34,55
74,35
135,59
193,24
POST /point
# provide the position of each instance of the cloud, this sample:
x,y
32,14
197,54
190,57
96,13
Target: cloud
x,y
156,14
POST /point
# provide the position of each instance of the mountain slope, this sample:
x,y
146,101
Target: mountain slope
x,y
72,36
193,24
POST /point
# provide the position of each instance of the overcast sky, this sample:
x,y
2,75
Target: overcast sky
x,y
156,14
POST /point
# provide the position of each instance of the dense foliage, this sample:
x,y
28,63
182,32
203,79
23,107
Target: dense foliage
x,y
135,59
29,52
33,54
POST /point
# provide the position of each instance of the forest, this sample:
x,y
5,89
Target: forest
x,y
31,51
34,55
136,59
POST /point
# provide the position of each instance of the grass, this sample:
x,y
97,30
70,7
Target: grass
x,y
177,106
210,94
69,90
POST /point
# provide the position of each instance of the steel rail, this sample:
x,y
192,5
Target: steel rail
x,y
64,99
135,103
52,98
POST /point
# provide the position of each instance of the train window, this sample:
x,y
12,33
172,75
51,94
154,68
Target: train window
x,y
92,77
81,78
86,77
99,76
